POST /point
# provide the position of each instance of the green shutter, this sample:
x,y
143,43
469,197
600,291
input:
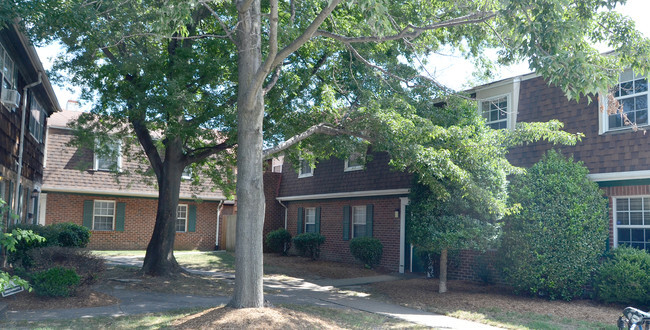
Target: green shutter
x,y
120,210
369,209
300,215
318,219
346,222
88,214
35,210
191,219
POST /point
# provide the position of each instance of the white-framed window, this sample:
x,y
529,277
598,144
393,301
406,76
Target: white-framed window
x,y
276,168
306,169
632,222
103,215
358,221
110,161
7,70
496,111
36,119
310,220
181,218
631,92
354,162
187,173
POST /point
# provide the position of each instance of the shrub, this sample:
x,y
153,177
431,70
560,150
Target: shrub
x,y
278,241
308,244
60,234
55,282
85,264
367,250
552,246
624,277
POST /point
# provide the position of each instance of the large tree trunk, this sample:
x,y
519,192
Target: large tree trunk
x,y
442,288
159,259
250,192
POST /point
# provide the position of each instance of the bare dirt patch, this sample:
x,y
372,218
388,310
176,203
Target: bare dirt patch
x,y
247,318
487,299
314,269
184,283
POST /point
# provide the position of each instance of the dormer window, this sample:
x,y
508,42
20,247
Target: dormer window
x,y
495,111
110,160
305,170
354,162
632,95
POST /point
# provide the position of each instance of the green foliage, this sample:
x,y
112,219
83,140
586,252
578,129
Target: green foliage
x,y
61,234
367,250
85,264
624,278
278,241
552,246
308,244
55,282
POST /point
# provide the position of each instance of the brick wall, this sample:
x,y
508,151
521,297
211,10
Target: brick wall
x,y
385,228
273,212
140,216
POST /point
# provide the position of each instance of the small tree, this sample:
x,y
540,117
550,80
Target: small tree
x,y
552,246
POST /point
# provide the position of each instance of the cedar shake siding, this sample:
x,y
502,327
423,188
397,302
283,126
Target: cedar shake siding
x,y
329,177
121,211
618,151
22,67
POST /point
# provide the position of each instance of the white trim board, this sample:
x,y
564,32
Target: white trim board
x,y
615,176
367,193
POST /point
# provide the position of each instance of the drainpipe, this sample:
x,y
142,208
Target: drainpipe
x,y
22,142
216,243
285,213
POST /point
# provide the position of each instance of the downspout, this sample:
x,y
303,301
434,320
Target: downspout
x,y
21,145
216,243
285,213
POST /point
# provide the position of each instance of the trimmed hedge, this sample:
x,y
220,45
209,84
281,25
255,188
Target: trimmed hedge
x,y
367,250
553,245
278,241
624,278
60,234
308,244
55,282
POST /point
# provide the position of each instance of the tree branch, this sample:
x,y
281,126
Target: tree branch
x,y
144,136
321,128
412,31
267,66
273,81
221,22
273,61
202,153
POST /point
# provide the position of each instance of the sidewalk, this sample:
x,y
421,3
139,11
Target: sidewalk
x,y
293,292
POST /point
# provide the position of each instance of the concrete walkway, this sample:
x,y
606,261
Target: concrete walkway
x,y
293,291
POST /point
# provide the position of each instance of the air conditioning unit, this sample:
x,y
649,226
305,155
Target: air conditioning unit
x,y
10,98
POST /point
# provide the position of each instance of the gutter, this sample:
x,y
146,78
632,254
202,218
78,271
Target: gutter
x,y
21,146
216,242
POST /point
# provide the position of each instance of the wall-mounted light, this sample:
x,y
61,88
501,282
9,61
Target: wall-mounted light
x,y
1,176
396,213
35,192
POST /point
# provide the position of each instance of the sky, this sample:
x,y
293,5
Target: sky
x,y
449,69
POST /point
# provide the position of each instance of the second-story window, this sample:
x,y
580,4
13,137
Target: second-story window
x,y
7,71
36,119
111,160
632,96
354,162
306,169
495,112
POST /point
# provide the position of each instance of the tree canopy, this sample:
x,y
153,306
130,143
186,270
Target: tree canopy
x,y
289,69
